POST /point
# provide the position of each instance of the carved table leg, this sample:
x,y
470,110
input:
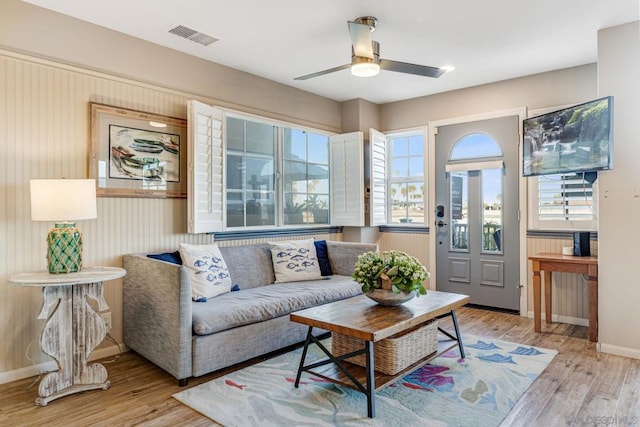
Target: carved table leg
x,y
70,334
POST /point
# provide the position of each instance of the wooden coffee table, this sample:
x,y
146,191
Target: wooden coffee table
x,y
360,317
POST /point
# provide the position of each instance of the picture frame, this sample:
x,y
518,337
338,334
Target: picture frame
x,y
137,154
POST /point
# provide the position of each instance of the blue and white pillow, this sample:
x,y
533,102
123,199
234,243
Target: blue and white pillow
x,y
207,269
295,261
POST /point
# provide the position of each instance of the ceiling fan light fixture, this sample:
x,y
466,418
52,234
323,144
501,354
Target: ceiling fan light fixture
x,y
365,69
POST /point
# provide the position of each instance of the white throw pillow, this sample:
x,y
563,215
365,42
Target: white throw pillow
x,y
294,261
207,269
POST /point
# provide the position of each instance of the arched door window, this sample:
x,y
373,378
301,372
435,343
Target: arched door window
x,y
473,146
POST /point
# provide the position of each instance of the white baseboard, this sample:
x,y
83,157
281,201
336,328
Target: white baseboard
x,y
563,319
51,365
634,353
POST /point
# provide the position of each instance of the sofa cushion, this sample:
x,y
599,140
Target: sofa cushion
x,y
207,270
250,266
295,261
267,302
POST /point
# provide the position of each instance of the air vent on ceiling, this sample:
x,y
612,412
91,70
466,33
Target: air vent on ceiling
x,y
193,35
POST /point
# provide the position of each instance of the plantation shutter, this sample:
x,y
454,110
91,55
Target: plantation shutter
x,y
564,197
205,197
347,179
378,183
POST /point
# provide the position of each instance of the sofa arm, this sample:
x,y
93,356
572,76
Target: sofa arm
x,y
343,255
158,313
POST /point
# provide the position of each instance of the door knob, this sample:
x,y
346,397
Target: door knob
x,y
441,223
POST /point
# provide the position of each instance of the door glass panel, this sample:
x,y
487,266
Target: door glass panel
x,y
491,210
459,210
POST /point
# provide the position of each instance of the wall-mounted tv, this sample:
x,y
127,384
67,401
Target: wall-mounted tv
x,y
574,139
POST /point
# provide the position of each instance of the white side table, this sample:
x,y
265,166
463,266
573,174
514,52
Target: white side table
x,y
72,329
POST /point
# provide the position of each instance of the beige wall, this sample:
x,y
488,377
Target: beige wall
x,y
619,201
567,86
37,31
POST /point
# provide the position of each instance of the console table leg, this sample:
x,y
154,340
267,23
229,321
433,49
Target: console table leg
x,y
547,297
537,303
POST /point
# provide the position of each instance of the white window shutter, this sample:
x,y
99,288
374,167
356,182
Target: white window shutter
x,y
378,183
205,198
347,179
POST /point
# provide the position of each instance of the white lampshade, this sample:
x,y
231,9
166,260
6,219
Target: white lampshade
x,y
365,69
63,199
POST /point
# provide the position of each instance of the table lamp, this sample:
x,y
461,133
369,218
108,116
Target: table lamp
x,y
63,201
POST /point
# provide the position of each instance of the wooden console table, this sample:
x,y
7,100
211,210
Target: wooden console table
x,y
549,262
72,329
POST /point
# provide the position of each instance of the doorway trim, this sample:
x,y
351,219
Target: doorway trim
x,y
521,112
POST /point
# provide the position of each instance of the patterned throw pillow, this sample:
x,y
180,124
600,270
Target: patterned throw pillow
x,y
295,261
207,269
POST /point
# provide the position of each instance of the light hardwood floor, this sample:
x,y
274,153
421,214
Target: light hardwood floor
x,y
580,386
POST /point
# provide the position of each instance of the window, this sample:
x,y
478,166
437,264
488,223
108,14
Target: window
x,y
251,185
405,178
249,172
562,202
250,169
306,177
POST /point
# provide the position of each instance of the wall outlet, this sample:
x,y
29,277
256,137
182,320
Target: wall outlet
x,y
106,317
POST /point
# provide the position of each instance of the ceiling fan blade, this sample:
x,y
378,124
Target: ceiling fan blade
x,y
321,73
404,67
361,39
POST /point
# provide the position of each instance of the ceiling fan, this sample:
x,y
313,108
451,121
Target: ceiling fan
x,y
365,55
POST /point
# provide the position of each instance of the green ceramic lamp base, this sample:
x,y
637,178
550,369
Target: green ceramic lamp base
x,y
64,253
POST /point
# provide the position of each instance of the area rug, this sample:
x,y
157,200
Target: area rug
x,y
479,390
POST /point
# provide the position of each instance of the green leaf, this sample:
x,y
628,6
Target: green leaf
x,y
422,290
393,271
395,289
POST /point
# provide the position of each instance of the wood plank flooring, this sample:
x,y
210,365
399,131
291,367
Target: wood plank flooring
x,y
580,386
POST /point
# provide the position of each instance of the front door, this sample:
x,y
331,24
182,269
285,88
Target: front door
x,y
476,221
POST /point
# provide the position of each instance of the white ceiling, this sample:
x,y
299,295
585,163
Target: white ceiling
x,y
486,41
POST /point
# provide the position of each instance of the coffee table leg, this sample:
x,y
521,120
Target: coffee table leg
x,y
371,386
304,356
458,336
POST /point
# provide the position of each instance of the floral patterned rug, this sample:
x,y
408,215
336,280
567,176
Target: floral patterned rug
x,y
477,391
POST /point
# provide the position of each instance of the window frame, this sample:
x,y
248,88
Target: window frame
x,y
279,161
535,223
396,134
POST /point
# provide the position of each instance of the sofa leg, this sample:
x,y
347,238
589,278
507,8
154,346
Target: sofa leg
x,y
183,382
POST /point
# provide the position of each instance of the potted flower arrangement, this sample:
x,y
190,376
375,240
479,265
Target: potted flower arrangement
x,y
393,276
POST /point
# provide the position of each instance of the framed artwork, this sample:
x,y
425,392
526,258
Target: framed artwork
x,y
137,154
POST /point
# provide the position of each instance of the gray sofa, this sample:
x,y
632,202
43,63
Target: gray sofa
x,y
186,338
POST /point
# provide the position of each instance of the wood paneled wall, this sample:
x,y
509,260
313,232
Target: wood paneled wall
x,y
45,133
569,290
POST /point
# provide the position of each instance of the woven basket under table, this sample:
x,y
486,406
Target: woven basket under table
x,y
391,355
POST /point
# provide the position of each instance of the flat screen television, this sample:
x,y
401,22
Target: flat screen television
x,y
573,139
